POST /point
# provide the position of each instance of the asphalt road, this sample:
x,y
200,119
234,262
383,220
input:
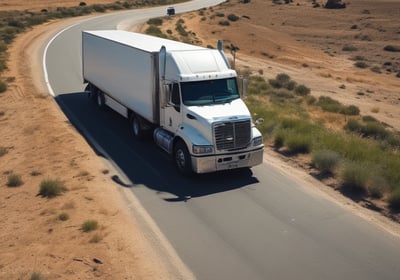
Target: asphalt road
x,y
257,224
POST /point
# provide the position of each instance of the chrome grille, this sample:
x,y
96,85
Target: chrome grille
x,y
232,135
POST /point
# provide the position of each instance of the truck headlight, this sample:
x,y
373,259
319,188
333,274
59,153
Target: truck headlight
x,y
257,141
202,149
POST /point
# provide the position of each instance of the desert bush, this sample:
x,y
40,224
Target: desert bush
x,y
350,110
326,160
310,100
233,17
302,90
354,177
180,28
298,143
63,216
376,69
224,23
361,64
99,8
220,14
51,188
394,200
155,21
89,225
391,48
14,180
377,186
282,80
96,238
3,151
349,48
279,139
81,4
330,105
371,129
37,276
155,31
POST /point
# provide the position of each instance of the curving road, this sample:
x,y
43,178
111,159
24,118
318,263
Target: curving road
x,y
259,224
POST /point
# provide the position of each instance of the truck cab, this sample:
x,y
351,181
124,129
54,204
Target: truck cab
x,y
204,123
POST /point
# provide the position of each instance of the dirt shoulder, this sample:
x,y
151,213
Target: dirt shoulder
x,y
42,144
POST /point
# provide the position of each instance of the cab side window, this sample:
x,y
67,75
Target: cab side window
x,y
175,97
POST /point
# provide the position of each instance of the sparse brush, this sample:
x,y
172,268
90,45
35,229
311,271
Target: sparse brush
x,y
89,225
326,160
354,177
394,200
96,238
37,276
51,188
3,151
298,143
63,216
14,180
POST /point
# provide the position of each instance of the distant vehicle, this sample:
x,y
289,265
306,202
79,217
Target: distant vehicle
x,y
171,11
186,95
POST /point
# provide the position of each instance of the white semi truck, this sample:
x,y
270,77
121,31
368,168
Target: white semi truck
x,y
186,95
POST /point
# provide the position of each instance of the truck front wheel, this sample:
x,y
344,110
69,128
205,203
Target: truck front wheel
x,y
182,158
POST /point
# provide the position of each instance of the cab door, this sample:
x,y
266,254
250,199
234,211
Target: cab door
x,y
171,112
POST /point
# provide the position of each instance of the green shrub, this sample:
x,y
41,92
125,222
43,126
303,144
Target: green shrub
x,y
377,185
37,276
330,105
99,8
279,139
298,143
350,110
371,129
3,151
326,160
14,180
155,31
233,17
391,48
89,225
155,21
51,188
354,177
224,23
63,216
302,90
394,199
361,64
349,48
3,86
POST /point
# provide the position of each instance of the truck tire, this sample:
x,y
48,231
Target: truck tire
x,y
100,99
182,158
136,127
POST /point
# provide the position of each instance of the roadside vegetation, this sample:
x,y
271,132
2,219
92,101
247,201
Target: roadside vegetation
x,y
359,153
362,154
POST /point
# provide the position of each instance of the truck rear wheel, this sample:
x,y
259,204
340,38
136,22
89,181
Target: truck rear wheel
x,y
100,99
182,158
136,126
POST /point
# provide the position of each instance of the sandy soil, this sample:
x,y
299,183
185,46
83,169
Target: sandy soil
x,y
42,144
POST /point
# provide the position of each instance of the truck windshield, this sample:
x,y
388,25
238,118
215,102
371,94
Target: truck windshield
x,y
209,92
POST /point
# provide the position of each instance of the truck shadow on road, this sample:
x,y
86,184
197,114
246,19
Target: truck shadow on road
x,y
142,162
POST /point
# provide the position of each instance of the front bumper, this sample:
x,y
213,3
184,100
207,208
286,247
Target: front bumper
x,y
214,163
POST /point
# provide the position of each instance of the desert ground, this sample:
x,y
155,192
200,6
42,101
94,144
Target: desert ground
x,y
297,39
